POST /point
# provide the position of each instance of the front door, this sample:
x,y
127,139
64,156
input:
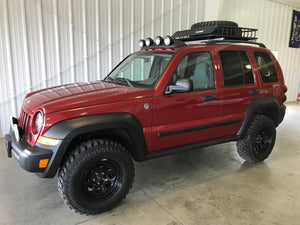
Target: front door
x,y
191,117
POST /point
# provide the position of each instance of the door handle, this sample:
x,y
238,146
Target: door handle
x,y
209,98
253,92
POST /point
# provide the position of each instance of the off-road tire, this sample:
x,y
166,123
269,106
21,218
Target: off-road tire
x,y
214,23
96,176
251,148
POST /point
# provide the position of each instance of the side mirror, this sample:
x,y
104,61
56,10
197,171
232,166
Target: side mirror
x,y
182,85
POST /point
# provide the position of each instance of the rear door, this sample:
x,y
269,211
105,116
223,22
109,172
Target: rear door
x,y
239,86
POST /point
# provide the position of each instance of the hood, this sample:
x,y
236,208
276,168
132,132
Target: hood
x,y
81,94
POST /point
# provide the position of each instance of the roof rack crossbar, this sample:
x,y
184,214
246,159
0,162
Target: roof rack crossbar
x,y
219,40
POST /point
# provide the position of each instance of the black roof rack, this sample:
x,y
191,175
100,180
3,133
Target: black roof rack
x,y
216,32
224,40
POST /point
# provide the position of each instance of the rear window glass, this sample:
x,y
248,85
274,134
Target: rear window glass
x,y
237,69
266,67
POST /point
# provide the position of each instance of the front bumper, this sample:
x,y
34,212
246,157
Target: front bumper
x,y
28,156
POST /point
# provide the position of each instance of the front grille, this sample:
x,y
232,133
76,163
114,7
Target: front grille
x,y
24,122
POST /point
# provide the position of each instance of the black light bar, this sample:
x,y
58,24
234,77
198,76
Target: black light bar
x,y
160,42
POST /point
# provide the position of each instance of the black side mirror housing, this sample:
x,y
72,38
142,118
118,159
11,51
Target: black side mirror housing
x,y
181,85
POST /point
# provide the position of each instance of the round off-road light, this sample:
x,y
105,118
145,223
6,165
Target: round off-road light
x,y
142,43
168,40
149,41
159,40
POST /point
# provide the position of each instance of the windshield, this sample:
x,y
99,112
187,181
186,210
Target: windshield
x,y
142,69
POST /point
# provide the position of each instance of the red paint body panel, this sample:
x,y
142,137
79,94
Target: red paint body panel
x,y
72,96
166,112
83,99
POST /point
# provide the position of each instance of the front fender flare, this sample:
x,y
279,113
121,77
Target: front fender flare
x,y
69,129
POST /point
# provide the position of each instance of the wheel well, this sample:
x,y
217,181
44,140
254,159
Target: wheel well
x,y
119,135
270,112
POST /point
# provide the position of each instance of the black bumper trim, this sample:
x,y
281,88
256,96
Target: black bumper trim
x,y
202,127
282,110
27,156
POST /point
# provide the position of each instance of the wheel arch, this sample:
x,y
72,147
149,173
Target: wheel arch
x,y
121,127
267,106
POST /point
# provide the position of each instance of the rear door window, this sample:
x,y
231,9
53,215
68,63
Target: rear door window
x,y
237,69
266,67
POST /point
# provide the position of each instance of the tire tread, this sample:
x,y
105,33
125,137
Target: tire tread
x,y
244,146
74,161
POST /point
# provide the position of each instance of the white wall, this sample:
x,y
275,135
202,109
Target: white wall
x,y
273,21
49,42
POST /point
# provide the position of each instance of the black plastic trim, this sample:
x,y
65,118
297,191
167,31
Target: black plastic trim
x,y
72,128
209,98
28,156
258,106
224,41
170,151
197,128
253,92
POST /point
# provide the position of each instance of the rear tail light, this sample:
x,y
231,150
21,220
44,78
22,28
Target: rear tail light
x,y
284,90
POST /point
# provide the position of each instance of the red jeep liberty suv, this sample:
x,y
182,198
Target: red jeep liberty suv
x,y
207,85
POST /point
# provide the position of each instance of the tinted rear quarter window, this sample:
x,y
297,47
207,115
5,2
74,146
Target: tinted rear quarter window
x,y
237,69
266,67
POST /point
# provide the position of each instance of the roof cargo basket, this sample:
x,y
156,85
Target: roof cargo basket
x,y
216,29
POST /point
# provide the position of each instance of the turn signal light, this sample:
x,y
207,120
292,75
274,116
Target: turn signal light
x,y
43,163
48,141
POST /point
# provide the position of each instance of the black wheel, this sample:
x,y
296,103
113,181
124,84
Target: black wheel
x,y
96,176
259,141
214,23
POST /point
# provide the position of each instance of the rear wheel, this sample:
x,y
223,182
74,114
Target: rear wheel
x,y
259,140
96,176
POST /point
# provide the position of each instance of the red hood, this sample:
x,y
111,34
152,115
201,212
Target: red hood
x,y
81,94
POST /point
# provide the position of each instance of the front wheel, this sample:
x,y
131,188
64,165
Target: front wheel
x,y
96,176
259,140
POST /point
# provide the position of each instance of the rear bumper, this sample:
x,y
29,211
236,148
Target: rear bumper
x,y
282,109
28,156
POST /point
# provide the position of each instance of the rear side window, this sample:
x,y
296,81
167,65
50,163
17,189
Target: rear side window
x,y
237,69
266,67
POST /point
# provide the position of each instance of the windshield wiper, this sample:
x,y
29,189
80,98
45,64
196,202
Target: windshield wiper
x,y
124,80
108,79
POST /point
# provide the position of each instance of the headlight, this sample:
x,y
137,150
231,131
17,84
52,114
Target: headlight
x,y
38,121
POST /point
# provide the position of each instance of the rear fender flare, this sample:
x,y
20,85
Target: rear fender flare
x,y
258,106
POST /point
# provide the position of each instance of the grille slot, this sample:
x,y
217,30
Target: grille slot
x,y
24,122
